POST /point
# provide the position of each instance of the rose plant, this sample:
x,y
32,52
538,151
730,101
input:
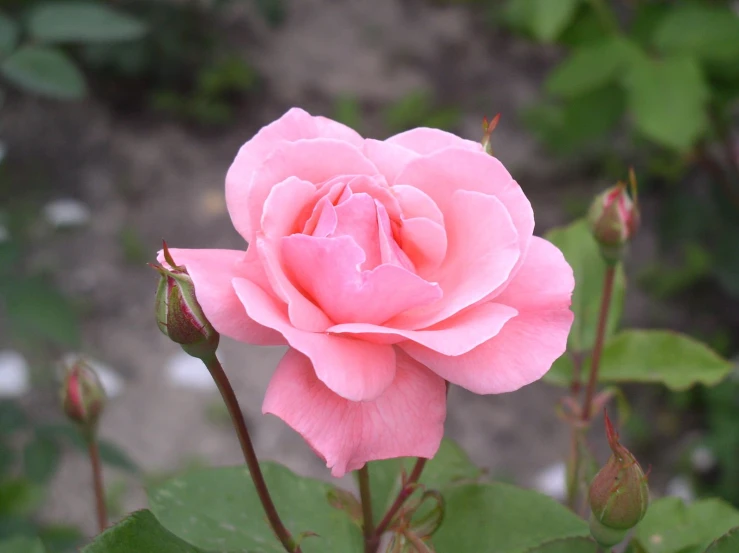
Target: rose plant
x,y
392,270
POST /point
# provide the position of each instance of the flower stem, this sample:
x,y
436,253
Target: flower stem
x,y
97,483
573,469
599,340
405,492
364,493
237,417
573,475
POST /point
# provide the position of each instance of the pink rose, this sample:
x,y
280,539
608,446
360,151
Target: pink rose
x,y
388,267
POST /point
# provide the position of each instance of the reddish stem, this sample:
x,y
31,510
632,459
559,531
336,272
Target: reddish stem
x,y
250,456
364,492
405,492
599,340
97,484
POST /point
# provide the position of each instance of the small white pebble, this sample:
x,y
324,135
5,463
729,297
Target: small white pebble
x,y
4,233
112,382
702,459
185,371
67,212
15,379
680,487
552,481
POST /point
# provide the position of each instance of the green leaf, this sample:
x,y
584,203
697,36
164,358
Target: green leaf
x,y
493,518
82,22
140,532
114,456
12,417
40,459
728,543
670,526
219,509
668,100
549,18
569,545
450,466
583,254
661,356
45,71
61,539
38,311
21,545
709,33
591,67
8,35
19,497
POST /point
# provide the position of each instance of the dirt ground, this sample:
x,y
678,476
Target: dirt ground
x,y
163,179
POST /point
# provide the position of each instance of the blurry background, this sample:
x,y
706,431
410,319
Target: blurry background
x,y
119,119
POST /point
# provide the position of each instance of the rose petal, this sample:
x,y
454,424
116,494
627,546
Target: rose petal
x,y
425,141
357,217
283,205
328,270
389,158
441,174
407,420
482,249
425,244
247,190
355,370
454,336
303,313
524,350
211,272
294,125
416,203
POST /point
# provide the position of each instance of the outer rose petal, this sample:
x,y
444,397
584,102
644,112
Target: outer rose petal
x,y
407,420
424,141
247,190
528,344
355,370
212,272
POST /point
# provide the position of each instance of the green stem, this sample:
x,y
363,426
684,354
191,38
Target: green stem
x,y
599,340
97,483
573,472
364,493
405,492
237,417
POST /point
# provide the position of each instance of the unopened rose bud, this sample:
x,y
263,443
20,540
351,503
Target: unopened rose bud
x,y
487,129
618,495
179,315
614,219
83,396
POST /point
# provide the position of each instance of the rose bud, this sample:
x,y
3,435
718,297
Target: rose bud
x,y
487,128
179,315
614,219
618,495
83,396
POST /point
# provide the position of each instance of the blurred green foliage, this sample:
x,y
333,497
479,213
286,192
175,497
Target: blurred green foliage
x,y
30,453
33,41
654,85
